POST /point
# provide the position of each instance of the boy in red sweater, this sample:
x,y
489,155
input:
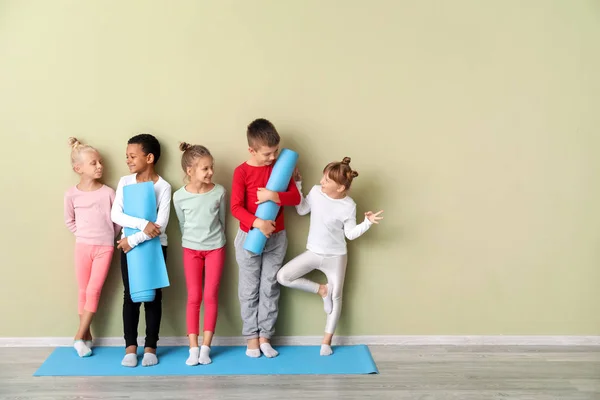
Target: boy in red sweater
x,y
258,288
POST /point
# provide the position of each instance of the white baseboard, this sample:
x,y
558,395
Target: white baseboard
x,y
397,340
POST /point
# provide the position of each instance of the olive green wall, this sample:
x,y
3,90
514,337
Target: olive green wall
x,y
473,124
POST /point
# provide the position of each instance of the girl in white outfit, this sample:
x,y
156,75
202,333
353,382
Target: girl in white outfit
x,y
332,220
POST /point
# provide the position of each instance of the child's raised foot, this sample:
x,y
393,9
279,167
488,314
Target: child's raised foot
x,y
327,300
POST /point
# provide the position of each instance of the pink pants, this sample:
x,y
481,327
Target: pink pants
x,y
195,262
91,267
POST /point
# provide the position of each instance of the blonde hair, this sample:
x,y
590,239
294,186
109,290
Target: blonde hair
x,y
340,172
192,152
77,148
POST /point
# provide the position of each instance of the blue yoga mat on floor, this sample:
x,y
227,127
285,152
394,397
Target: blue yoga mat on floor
x,y
226,360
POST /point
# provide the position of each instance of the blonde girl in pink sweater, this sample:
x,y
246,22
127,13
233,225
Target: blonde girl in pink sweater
x,y
87,208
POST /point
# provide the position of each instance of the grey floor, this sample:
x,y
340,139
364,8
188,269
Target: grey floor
x,y
411,372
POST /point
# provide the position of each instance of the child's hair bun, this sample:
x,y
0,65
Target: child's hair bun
x,y
183,146
74,142
354,174
346,160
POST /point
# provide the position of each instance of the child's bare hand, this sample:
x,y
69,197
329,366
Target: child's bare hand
x,y
264,195
265,226
152,230
373,217
123,244
296,175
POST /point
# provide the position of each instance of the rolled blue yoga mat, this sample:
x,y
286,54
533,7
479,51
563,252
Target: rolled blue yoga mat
x,y
145,262
278,182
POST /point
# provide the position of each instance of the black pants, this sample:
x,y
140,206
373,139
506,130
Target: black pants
x,y
131,311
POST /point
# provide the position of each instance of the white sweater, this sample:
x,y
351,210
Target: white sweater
x,y
331,221
162,190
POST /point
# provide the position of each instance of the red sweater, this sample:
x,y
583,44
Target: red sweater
x,y
246,180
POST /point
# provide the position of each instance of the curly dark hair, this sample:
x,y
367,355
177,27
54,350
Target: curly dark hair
x,y
149,144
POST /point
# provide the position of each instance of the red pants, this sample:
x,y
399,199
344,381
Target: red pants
x,y
195,263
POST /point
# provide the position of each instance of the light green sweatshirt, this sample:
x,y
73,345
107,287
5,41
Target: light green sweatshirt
x,y
201,218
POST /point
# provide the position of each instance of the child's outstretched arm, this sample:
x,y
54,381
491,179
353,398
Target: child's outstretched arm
x,y
70,214
353,231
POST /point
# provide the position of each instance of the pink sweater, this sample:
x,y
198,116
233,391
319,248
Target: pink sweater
x,y
87,215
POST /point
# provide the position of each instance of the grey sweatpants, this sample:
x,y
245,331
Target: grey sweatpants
x,y
258,289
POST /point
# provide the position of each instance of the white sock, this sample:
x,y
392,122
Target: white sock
x,y
268,351
204,355
193,358
327,301
88,343
254,353
326,350
82,349
130,360
149,360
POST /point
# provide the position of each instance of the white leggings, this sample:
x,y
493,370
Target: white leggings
x,y
333,266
